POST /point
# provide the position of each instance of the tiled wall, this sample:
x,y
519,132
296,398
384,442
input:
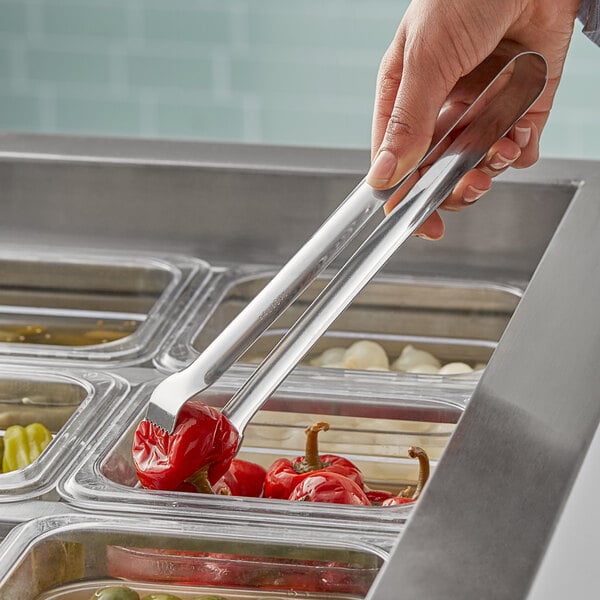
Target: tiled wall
x,y
270,71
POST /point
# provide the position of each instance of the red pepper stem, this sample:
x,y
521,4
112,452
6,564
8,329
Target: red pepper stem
x,y
421,456
200,481
312,461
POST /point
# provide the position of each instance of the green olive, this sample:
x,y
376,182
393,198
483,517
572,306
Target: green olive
x,y
161,597
116,592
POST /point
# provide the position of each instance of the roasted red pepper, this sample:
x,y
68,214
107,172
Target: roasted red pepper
x,y
376,497
198,452
151,565
284,474
408,494
328,486
244,478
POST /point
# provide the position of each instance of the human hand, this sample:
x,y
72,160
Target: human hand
x,y
437,43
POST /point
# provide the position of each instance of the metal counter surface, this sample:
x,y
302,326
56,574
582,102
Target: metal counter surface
x,y
255,204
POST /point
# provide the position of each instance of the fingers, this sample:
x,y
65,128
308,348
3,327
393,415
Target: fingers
x,y
468,190
519,149
432,228
500,156
504,153
526,135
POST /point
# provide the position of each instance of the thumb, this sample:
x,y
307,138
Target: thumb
x,y
405,114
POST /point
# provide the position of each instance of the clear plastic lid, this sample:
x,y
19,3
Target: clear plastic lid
x,y
373,427
90,307
74,556
403,325
70,406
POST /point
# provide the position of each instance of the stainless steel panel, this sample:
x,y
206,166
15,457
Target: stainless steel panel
x,y
504,478
186,196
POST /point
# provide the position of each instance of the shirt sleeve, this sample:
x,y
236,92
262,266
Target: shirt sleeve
x,y
589,15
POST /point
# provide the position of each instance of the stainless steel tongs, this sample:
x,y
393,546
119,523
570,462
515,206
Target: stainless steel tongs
x,y
493,113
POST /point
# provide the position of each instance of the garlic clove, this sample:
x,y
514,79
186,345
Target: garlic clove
x,y
331,355
455,368
364,354
411,357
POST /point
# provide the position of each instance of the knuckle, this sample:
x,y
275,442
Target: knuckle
x,y
387,85
401,123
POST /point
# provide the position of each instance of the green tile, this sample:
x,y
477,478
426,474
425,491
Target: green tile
x,y
578,90
106,20
61,66
211,122
13,16
6,72
311,64
159,71
99,116
310,78
571,134
342,8
288,28
20,112
581,46
188,24
334,128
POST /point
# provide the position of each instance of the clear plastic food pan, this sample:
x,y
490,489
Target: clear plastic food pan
x,y
89,306
372,428
69,406
72,557
458,322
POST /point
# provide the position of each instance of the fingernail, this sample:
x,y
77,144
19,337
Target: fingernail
x,y
498,162
522,136
472,193
382,169
424,236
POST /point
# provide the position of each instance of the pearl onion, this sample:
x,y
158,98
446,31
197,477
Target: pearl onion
x,y
331,355
365,354
412,357
455,368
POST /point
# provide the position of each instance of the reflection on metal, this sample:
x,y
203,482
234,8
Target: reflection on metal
x,y
484,522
